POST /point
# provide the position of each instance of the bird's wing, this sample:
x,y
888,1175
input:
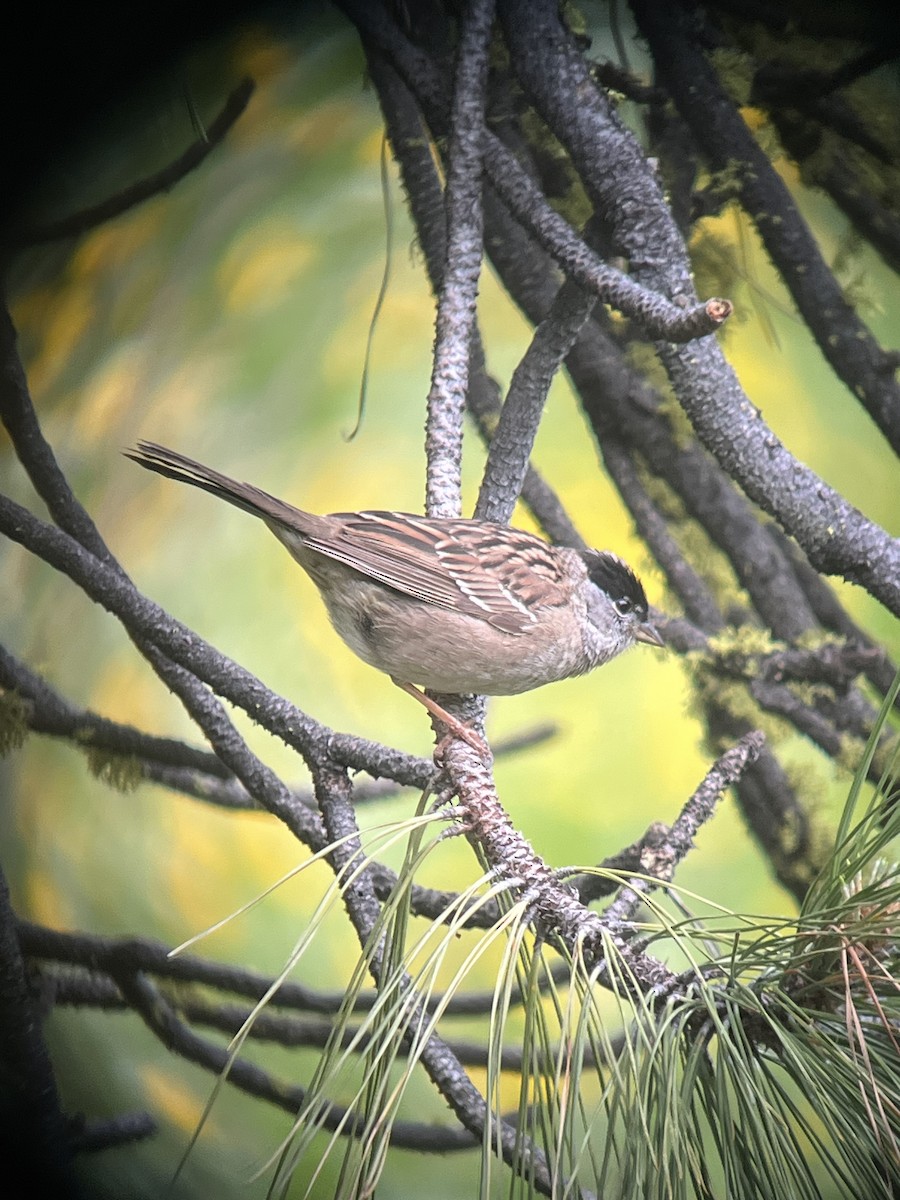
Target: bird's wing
x,y
465,567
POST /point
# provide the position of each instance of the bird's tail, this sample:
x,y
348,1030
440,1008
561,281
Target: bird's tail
x,y
244,495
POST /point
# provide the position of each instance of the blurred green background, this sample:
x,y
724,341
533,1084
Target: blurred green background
x,y
228,319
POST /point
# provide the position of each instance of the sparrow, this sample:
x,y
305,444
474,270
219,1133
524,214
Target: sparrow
x,y
450,604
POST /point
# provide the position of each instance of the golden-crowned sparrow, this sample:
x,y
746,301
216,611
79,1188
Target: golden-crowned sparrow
x,y
451,604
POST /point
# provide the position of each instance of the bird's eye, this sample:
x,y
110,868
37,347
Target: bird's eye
x,y
623,605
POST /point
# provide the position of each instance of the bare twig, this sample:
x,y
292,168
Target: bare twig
x,y
161,181
837,538
410,142
720,130
661,860
459,283
655,314
513,439
38,1145
441,1065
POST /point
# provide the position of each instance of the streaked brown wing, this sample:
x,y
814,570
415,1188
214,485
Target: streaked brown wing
x,y
480,557
436,561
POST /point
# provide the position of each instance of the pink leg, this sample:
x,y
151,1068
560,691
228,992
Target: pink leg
x,y
456,727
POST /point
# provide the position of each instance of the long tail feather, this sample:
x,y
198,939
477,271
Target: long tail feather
x,y
243,495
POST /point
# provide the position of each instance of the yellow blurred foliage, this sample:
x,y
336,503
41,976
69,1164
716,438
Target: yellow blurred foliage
x,y
50,900
125,686
402,324
108,396
258,56
181,398
56,320
368,149
322,128
116,243
191,868
170,1095
262,266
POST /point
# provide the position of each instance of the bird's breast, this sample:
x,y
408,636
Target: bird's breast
x,y
448,651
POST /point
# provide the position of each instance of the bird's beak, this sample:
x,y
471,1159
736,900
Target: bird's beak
x,y
646,633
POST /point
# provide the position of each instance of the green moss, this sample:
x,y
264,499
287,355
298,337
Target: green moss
x,y
794,49
706,558
120,771
737,648
573,18
850,754
735,70
738,701
488,422
769,142
564,189
817,639
720,265
887,754
810,785
14,712
711,690
644,359
717,271
811,693
851,270
720,679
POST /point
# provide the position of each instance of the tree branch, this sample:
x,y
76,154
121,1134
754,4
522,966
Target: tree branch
x,y
837,538
459,283
37,1138
78,223
722,133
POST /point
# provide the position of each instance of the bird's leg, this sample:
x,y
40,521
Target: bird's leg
x,y
456,727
